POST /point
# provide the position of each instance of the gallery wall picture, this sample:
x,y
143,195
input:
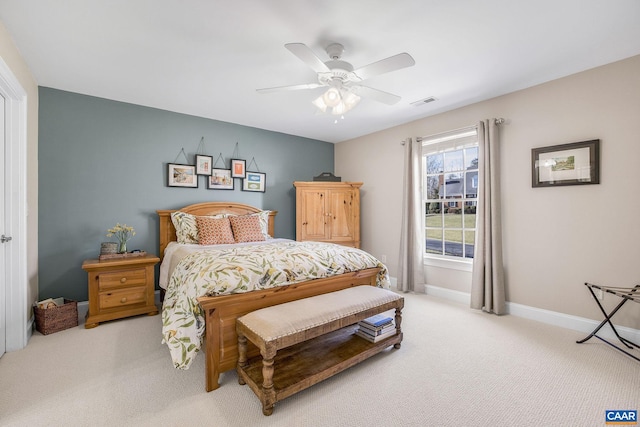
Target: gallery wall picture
x,y
203,164
238,168
220,179
255,181
181,175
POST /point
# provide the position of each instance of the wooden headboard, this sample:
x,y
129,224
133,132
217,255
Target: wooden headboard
x,y
168,232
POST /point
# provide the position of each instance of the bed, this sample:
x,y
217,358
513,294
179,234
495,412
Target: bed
x,y
221,310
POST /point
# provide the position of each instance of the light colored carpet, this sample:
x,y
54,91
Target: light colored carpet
x,y
456,367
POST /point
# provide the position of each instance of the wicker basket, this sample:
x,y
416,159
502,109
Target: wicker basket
x,y
55,319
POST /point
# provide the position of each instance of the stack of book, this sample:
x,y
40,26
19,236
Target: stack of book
x,y
376,328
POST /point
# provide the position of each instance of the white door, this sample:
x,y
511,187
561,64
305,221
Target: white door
x,y
3,266
14,331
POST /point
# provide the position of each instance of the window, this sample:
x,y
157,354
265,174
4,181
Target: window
x,y
450,173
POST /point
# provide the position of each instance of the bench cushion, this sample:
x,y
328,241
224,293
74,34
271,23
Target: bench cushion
x,y
286,319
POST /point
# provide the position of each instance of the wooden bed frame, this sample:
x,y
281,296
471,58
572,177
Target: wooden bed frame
x,y
221,312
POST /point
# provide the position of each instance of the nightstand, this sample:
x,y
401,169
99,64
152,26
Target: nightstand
x,y
120,287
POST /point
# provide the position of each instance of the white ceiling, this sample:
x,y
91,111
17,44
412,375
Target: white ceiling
x,y
207,57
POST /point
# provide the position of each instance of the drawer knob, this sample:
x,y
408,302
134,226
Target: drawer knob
x,y
124,279
123,300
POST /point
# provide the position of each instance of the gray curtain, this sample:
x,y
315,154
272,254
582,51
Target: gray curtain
x,y
487,283
410,264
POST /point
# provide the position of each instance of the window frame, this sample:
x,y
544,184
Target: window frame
x,y
459,139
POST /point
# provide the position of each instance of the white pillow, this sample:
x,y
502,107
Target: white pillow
x,y
264,223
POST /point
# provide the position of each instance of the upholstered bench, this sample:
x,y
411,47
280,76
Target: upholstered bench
x,y
306,341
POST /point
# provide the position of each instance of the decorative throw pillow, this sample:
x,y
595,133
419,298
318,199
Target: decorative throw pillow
x,y
264,222
246,228
186,227
214,231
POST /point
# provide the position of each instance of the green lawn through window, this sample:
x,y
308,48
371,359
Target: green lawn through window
x,y
452,229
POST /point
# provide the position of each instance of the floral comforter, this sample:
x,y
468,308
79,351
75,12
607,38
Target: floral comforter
x,y
213,272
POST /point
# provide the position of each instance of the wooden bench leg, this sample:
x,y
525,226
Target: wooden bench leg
x,y
398,324
242,357
268,393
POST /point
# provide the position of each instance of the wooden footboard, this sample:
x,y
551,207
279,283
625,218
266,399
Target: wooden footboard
x,y
221,312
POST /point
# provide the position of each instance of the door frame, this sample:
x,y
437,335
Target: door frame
x,y
17,322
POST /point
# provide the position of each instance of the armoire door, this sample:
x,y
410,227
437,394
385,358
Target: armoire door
x,y
314,220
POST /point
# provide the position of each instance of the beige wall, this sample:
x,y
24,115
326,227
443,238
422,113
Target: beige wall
x,y
555,239
12,58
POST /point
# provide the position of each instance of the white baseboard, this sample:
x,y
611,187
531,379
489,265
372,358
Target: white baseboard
x,y
394,286
563,320
448,294
31,325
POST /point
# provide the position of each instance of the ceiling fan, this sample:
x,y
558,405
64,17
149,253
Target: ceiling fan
x,y
343,81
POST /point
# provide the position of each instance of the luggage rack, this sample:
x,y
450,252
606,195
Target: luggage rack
x,y
626,294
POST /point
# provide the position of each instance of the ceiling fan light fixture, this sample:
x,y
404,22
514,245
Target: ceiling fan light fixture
x,y
319,103
339,109
350,99
338,100
332,97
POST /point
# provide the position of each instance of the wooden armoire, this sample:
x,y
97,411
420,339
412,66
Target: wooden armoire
x,y
328,212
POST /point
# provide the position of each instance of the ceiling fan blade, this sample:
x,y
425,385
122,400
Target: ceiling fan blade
x,y
307,56
392,63
287,88
376,94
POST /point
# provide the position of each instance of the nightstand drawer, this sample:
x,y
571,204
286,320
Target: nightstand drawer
x,y
118,279
123,297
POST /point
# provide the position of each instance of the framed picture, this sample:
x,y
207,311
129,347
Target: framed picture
x,y
182,176
254,181
577,163
238,168
203,164
220,179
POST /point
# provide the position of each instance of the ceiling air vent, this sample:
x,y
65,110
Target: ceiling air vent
x,y
424,101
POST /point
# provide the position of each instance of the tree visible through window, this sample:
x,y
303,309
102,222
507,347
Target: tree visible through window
x,y
450,171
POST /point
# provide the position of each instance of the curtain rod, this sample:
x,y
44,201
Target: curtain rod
x,y
498,121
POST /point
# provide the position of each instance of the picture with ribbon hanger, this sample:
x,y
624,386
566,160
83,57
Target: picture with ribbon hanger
x,y
254,180
203,162
220,178
181,175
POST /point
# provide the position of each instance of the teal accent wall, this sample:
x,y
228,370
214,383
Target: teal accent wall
x,y
103,162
